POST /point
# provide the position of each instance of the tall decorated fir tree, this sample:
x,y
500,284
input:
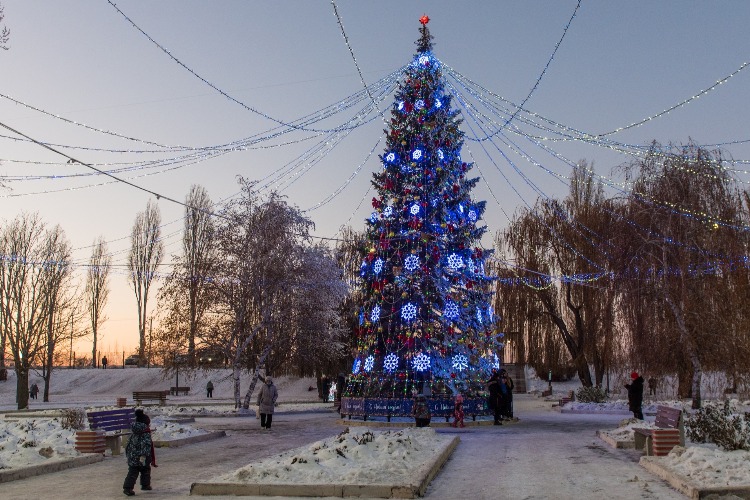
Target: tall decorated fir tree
x,y
426,324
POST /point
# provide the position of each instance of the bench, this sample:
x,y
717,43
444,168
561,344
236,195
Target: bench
x,y
567,399
669,432
175,391
140,396
114,423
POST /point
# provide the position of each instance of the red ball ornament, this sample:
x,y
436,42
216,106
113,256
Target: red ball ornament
x,y
453,375
424,19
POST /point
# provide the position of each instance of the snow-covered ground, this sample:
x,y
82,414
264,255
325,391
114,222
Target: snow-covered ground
x,y
356,456
27,438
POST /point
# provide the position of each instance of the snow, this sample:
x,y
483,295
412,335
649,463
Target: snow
x,y
539,428
356,456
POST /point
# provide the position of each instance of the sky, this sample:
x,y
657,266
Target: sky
x,y
244,69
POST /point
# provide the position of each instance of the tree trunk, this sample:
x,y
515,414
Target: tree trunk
x,y
22,387
256,375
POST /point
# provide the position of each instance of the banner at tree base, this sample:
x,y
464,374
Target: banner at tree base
x,y
395,407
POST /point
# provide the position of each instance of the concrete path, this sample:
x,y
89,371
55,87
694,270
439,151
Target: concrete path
x,y
544,455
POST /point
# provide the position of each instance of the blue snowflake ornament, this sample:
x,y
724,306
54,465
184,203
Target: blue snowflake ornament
x,y
421,362
390,363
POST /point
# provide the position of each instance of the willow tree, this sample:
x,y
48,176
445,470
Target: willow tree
x,y
562,252
685,242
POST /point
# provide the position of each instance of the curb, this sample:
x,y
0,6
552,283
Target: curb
x,y
604,436
174,443
687,486
422,475
38,470
371,423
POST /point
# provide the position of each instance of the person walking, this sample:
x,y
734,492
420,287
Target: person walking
x,y
210,389
652,386
267,397
421,411
635,395
140,454
34,390
104,362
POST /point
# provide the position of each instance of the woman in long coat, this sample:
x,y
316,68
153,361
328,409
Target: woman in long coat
x,y
266,401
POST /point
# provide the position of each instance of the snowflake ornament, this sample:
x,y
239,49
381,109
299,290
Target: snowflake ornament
x,y
421,362
419,104
440,154
438,104
377,266
390,363
414,209
424,60
369,362
388,211
417,154
411,263
472,215
479,315
375,314
460,362
391,157
455,261
408,311
356,366
451,310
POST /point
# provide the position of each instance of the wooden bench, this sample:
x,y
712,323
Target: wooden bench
x,y
567,399
175,391
669,432
114,423
140,396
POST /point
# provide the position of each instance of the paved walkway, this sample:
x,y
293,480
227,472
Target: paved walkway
x,y
544,455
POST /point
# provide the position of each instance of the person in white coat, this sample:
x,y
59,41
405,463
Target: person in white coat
x,y
266,401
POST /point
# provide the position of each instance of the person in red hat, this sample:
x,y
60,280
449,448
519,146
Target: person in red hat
x,y
635,395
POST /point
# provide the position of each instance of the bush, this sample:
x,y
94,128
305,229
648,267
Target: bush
x,y
73,418
591,395
723,425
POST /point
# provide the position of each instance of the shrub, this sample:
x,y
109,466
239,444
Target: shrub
x,y
73,418
591,395
723,425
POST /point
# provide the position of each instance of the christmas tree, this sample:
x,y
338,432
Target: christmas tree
x,y
426,324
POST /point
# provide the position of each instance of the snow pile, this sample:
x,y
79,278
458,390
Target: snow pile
x,y
625,431
354,456
710,466
164,430
28,441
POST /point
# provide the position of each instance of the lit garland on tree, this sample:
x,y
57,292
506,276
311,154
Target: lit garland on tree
x,y
426,323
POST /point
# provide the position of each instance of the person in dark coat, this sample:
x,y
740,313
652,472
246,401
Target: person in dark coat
x,y
34,391
266,401
421,411
104,362
635,395
139,453
210,389
493,387
506,395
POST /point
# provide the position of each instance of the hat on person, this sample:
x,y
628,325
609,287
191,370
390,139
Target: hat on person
x,y
269,380
634,375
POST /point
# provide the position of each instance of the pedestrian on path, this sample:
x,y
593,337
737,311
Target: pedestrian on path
x,y
140,454
652,386
267,397
493,401
210,389
458,411
506,395
34,390
635,395
421,411
104,362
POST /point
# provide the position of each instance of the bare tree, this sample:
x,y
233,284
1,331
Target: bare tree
x,y
97,290
35,261
4,32
260,245
143,260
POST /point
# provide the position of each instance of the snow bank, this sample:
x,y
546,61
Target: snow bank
x,y
355,456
